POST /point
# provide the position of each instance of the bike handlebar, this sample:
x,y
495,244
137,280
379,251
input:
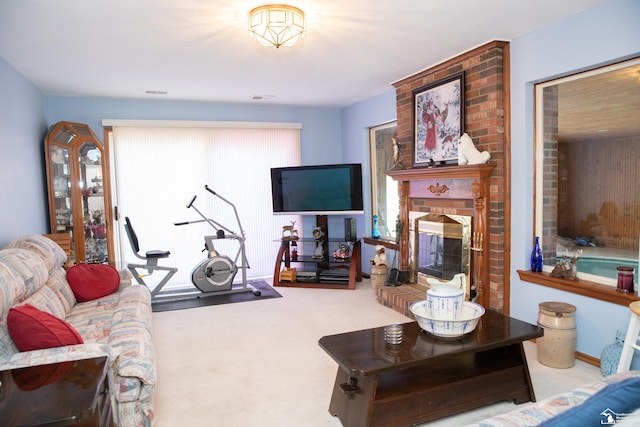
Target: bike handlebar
x,y
191,202
206,187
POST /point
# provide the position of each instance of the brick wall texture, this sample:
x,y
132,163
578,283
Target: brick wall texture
x,y
486,103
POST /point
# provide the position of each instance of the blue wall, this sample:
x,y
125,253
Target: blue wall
x,y
356,121
600,35
320,134
319,137
23,125
328,135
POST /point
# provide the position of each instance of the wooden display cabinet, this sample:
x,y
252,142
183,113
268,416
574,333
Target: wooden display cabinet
x,y
79,191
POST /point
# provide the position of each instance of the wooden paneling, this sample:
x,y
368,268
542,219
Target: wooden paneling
x,y
607,101
605,196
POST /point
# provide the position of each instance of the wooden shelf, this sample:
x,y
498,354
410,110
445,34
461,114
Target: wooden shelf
x,y
580,287
351,266
443,172
327,263
389,244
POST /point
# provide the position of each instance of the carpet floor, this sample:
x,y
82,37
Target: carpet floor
x,y
206,299
260,365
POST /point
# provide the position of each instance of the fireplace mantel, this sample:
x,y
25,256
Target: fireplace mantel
x,y
449,185
444,172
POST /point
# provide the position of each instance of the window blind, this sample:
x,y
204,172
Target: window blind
x,y
158,170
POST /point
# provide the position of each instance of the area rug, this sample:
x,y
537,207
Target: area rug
x,y
211,298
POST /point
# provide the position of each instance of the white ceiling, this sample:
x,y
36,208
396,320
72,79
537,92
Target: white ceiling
x,y
200,49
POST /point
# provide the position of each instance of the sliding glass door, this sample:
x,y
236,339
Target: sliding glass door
x,y
158,170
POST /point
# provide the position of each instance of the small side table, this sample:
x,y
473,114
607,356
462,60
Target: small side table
x,y
66,393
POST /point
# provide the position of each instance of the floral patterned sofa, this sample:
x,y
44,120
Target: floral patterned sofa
x,y
611,400
117,325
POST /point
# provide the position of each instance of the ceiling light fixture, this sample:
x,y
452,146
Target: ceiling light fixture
x,y
276,25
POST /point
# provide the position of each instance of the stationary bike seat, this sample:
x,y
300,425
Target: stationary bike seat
x,y
158,254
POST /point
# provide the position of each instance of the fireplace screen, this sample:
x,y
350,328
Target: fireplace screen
x,y
441,245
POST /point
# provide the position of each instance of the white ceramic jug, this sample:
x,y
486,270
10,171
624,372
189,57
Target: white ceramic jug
x,y
445,299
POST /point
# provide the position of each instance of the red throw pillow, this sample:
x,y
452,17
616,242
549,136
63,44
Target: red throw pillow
x,y
33,329
93,281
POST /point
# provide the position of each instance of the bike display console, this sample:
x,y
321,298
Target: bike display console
x,y
313,271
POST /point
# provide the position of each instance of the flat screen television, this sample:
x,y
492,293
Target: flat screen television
x,y
317,190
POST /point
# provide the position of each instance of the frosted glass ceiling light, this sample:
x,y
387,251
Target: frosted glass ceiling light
x,y
276,25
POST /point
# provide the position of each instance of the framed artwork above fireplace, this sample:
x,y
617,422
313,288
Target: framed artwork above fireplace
x,y
438,110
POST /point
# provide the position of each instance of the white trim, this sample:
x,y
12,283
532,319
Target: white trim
x,y
199,124
589,73
538,163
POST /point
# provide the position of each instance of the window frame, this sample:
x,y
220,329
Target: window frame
x,y
381,140
594,286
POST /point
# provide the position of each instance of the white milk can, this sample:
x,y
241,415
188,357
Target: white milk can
x,y
557,348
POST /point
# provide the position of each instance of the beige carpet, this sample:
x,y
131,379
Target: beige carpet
x,y
258,363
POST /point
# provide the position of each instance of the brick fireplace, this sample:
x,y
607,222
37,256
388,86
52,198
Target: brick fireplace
x,y
479,191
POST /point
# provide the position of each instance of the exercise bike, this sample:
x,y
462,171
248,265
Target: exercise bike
x,y
213,276
216,273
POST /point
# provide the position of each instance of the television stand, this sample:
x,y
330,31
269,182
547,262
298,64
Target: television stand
x,y
326,272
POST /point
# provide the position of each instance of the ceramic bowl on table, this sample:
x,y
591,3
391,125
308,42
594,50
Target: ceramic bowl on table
x,y
466,323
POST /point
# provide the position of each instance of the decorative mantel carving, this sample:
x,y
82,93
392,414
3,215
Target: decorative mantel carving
x,y
469,182
438,189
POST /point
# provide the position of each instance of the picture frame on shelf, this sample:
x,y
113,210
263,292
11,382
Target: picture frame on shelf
x,y
438,110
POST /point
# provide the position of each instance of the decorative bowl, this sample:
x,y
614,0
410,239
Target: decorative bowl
x,y
467,322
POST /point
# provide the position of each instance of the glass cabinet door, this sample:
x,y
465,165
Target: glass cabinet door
x,y
59,168
92,203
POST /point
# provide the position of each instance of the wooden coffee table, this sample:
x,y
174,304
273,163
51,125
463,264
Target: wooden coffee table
x,y
427,378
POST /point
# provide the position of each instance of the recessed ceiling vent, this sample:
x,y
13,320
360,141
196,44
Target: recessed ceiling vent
x,y
263,98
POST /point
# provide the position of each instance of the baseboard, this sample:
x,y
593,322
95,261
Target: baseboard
x,y
588,359
585,358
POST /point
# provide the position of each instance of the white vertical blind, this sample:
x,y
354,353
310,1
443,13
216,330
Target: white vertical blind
x,y
160,169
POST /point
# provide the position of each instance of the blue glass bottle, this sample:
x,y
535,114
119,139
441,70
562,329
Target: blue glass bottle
x,y
536,257
375,233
